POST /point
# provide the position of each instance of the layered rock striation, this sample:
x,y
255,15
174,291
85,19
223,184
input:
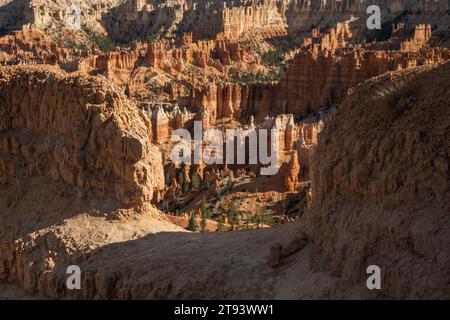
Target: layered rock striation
x,y
79,130
313,80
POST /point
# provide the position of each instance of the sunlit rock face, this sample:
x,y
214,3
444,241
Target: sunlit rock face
x,y
77,129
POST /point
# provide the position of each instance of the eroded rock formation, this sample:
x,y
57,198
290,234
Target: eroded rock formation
x,y
315,79
103,145
381,184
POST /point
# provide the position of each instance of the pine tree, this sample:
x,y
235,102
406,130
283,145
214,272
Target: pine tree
x,y
263,216
176,202
192,224
195,183
203,223
230,185
186,187
233,216
204,208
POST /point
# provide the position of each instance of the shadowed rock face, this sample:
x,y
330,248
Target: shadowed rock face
x,y
381,184
79,130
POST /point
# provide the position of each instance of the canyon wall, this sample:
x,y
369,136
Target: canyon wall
x,y
267,18
51,15
127,20
314,79
79,130
204,19
302,15
380,183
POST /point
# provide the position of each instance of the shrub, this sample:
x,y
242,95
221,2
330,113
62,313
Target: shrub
x,y
273,58
104,43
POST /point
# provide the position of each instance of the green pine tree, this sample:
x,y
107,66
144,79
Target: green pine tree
x,y
204,208
192,226
195,183
230,185
233,216
203,224
264,217
176,202
186,187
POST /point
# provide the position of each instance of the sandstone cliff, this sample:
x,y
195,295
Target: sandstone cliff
x,y
314,79
380,181
76,129
127,20
77,171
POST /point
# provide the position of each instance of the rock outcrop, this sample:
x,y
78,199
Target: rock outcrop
x,y
31,47
313,80
79,130
291,179
204,19
53,16
380,180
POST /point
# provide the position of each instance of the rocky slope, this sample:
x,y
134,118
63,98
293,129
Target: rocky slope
x,y
383,200
77,171
381,184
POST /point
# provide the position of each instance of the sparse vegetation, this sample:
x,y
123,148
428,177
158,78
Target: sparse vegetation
x,y
263,217
186,187
258,77
192,226
204,208
233,215
273,58
195,183
152,35
220,226
103,42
